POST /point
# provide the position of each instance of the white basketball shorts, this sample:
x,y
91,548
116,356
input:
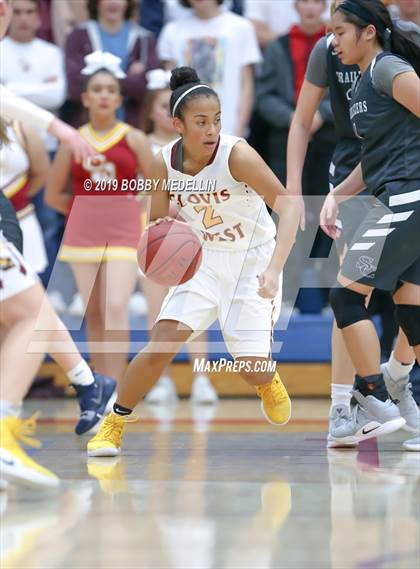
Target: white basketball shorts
x,y
15,274
225,288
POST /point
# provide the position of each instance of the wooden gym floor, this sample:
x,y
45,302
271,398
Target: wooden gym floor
x,y
216,488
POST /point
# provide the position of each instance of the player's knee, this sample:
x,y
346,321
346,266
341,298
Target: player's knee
x,y
168,336
348,306
408,317
94,313
116,312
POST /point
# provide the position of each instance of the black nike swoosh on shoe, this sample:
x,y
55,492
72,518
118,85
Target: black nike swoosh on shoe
x,y
370,430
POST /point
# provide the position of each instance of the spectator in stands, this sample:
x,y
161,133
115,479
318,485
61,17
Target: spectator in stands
x,y
277,90
408,10
154,14
30,67
44,31
270,19
33,68
65,16
223,49
109,29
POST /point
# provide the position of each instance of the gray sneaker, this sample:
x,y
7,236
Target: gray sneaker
x,y
400,391
412,444
340,424
370,418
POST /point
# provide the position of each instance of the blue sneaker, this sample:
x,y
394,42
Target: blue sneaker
x,y
93,400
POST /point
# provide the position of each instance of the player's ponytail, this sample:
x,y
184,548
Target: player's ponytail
x,y
402,45
395,37
186,85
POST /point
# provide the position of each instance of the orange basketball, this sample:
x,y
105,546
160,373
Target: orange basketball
x,y
169,253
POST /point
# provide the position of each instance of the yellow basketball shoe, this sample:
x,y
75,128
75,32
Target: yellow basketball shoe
x,y
276,405
107,441
15,465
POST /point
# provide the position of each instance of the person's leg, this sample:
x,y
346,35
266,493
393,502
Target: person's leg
x,y
403,353
144,370
18,315
202,390
396,372
380,415
52,224
117,282
164,391
342,370
407,300
142,373
87,280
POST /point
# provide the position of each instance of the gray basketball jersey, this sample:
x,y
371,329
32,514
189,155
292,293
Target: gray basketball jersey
x,y
340,81
389,133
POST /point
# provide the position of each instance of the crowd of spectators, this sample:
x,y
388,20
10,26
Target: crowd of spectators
x,y
252,52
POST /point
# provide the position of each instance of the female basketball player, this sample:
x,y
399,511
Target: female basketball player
x,y
103,226
385,112
160,129
325,70
22,302
239,280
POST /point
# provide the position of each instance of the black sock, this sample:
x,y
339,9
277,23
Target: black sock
x,y
120,410
372,385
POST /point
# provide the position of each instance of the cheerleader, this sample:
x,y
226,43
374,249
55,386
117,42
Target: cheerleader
x,y
103,228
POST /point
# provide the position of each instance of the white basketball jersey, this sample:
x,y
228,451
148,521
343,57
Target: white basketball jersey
x,y
230,215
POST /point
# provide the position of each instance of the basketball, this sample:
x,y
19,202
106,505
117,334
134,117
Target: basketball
x,y
169,253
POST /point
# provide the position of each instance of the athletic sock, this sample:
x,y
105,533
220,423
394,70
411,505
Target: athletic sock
x,y
120,410
8,409
81,374
372,385
341,394
396,369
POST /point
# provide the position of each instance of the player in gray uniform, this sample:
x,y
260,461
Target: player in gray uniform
x,y
325,70
385,250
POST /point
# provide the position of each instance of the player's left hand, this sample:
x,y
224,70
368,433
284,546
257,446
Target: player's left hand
x,y
268,283
328,217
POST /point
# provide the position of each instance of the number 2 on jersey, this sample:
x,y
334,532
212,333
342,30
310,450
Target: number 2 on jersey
x,y
209,219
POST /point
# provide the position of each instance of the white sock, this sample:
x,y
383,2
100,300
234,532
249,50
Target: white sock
x,y
8,409
396,369
81,374
341,394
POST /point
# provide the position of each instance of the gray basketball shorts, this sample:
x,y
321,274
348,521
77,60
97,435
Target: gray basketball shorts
x,y
385,248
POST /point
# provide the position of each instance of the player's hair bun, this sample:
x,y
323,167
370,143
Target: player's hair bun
x,y
183,76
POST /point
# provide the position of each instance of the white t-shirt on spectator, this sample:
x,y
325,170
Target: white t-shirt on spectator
x,y
174,10
279,15
217,49
34,71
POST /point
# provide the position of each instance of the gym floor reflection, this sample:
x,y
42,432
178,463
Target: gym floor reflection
x,y
201,488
